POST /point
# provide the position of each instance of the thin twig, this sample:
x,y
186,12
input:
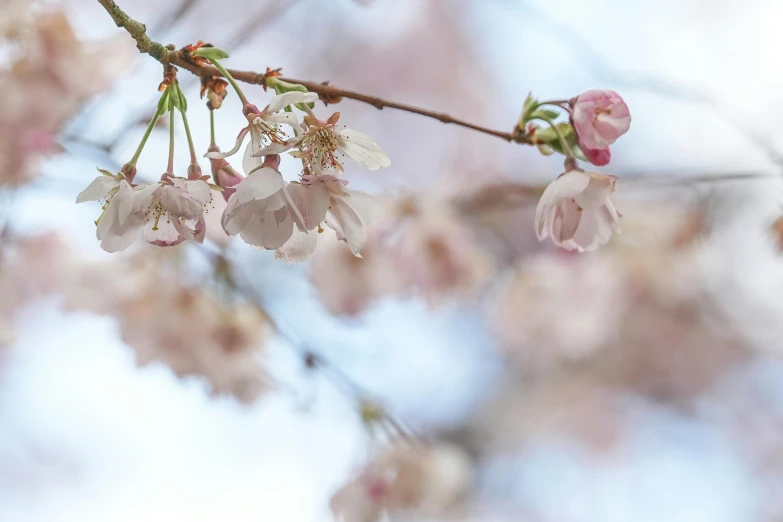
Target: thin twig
x,y
138,32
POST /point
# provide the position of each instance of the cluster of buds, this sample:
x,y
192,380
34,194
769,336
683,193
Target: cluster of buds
x,y
576,210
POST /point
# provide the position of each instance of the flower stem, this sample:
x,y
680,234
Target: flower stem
x,y
146,136
566,147
231,80
212,127
193,158
170,168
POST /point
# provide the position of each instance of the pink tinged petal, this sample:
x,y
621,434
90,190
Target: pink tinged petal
x,y
614,215
348,225
98,189
270,231
179,203
115,237
567,218
258,185
595,229
567,185
223,155
281,101
138,201
162,232
312,202
598,157
299,248
235,221
360,148
363,204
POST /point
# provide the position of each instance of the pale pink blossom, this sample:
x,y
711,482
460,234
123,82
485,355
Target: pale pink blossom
x,y
323,142
173,210
266,130
576,211
422,480
261,210
600,116
325,199
224,174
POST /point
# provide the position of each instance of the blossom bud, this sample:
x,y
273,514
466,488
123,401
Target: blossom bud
x,y
224,174
600,116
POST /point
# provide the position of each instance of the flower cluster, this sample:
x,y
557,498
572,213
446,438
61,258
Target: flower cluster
x,y
575,211
262,208
268,212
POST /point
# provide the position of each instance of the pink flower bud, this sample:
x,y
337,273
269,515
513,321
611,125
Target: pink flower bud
x,y
600,117
599,157
224,174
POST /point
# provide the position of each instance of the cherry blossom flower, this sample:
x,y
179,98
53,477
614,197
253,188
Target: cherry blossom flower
x,y
261,210
113,233
224,174
325,199
173,210
576,211
324,141
265,128
600,116
426,480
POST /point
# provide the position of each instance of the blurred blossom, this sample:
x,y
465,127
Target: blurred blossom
x,y
51,75
400,478
559,308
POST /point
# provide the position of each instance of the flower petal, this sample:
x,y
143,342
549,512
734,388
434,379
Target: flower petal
x,y
223,155
566,185
299,247
312,202
260,184
137,201
179,203
360,148
281,101
98,189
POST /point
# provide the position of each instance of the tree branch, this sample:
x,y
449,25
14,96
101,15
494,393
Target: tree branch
x,y
138,32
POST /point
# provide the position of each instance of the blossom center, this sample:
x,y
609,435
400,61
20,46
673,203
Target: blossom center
x,y
269,132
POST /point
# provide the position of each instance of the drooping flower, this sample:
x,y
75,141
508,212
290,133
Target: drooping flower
x,y
324,141
325,199
576,211
173,210
600,116
261,210
265,128
114,234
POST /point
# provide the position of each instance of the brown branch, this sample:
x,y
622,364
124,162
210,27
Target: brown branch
x,y
137,30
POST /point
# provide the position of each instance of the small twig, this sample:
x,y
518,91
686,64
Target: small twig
x,y
137,30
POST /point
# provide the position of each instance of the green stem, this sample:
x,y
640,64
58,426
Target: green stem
x,y
212,127
231,80
170,168
146,136
566,147
193,158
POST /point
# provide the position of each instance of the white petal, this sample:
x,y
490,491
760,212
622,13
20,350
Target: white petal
x,y
277,148
567,185
364,204
259,185
299,248
235,223
138,201
222,155
98,189
312,202
348,225
360,148
271,231
596,192
199,190
250,161
281,101
283,118
179,203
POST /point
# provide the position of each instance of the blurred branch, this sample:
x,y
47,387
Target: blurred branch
x,y
327,92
